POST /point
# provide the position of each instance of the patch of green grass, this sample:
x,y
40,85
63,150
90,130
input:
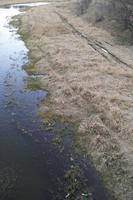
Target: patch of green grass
x,y
79,140
30,65
60,133
16,22
57,140
25,36
48,116
32,83
25,9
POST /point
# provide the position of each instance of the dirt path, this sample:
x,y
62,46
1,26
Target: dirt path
x,y
90,80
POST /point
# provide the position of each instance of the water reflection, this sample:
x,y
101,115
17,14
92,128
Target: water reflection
x,y
24,5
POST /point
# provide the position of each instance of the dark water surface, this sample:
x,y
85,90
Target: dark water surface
x,y
31,166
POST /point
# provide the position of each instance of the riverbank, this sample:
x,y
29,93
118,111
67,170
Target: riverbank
x,y
86,86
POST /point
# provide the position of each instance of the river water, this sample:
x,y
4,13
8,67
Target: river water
x,y
31,166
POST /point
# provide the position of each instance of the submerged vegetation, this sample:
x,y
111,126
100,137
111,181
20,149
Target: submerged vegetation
x,y
32,83
73,181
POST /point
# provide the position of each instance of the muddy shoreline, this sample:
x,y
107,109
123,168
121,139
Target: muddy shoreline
x,y
84,88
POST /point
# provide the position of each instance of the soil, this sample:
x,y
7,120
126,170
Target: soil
x,y
90,81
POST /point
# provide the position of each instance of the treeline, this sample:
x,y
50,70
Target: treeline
x,y
126,13
97,10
